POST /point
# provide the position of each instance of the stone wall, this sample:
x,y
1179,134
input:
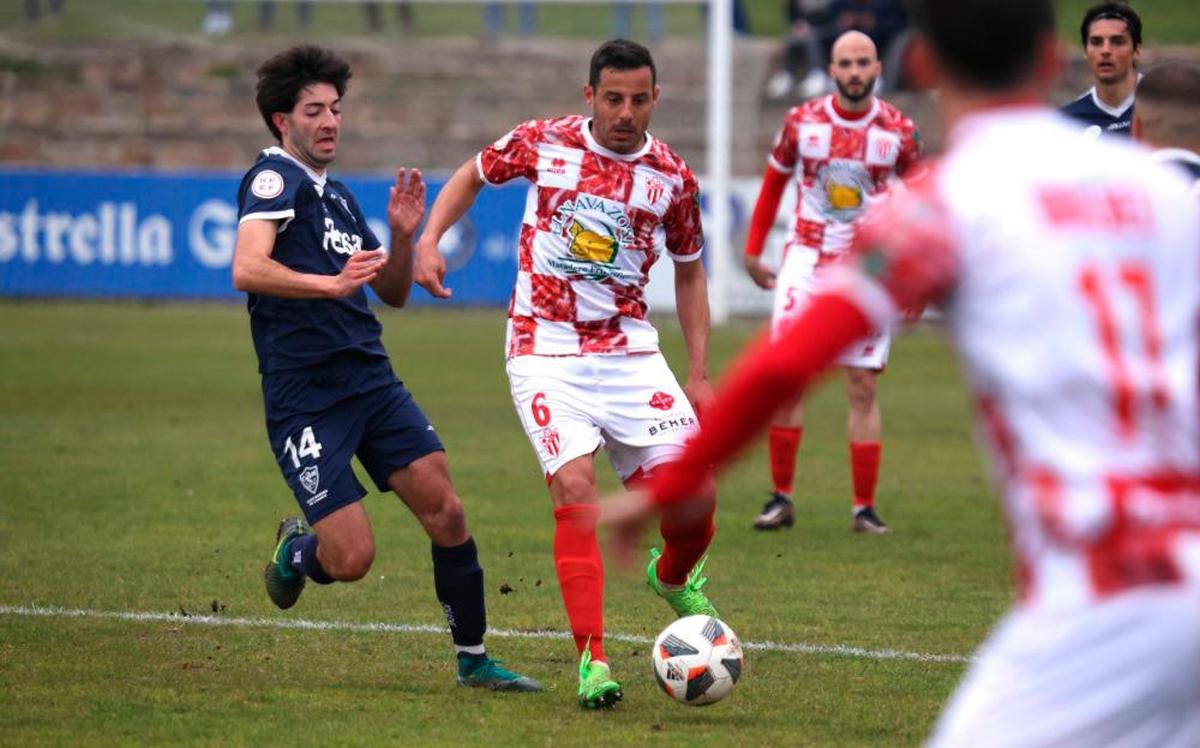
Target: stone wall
x,y
427,102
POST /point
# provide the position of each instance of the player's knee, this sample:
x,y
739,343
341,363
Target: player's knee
x,y
573,488
446,521
349,563
860,390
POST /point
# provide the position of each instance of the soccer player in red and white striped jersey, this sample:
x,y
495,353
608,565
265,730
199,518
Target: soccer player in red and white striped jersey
x,y
606,199
844,152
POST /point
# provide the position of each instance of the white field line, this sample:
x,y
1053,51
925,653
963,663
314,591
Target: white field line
x,y
840,650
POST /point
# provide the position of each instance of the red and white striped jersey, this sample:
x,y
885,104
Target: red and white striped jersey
x,y
1069,273
841,166
595,222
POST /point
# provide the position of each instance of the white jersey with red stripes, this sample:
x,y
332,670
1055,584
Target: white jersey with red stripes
x,y
1069,273
841,166
595,222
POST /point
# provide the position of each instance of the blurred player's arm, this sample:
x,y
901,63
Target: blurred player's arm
x,y
452,204
773,184
254,271
691,304
406,206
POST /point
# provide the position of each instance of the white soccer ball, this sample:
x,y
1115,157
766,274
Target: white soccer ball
x,y
697,660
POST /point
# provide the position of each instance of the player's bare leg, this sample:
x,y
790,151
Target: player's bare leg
x,y
425,487
580,570
865,431
783,442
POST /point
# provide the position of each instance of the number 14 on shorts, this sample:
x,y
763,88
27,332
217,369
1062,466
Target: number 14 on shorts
x,y
309,447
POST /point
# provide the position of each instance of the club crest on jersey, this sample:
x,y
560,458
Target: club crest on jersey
x,y
310,478
662,401
655,189
267,184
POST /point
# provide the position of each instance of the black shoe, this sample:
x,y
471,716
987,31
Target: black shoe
x,y
285,584
865,520
778,512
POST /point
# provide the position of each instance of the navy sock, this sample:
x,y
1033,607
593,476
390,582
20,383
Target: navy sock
x,y
458,580
302,557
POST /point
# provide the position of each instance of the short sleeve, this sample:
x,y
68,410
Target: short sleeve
x,y
685,234
512,156
786,151
268,193
904,255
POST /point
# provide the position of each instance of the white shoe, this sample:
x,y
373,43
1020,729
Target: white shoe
x,y
779,84
814,84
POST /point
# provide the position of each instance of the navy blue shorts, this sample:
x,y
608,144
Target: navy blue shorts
x,y
384,427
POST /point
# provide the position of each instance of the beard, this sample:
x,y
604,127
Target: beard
x,y
867,89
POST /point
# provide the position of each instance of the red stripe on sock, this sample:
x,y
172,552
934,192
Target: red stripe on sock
x,y
581,574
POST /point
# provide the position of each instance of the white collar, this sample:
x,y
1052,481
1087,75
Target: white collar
x,y
1119,109
318,178
841,121
586,128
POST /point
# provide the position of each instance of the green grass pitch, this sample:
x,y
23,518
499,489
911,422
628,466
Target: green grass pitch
x,y
136,478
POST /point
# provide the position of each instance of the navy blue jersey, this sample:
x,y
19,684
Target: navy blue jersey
x,y
319,226
311,352
1099,117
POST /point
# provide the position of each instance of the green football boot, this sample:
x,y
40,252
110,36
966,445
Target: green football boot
x,y
285,584
597,689
484,672
687,599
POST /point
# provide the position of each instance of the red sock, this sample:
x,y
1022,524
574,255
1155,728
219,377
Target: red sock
x,y
685,539
864,464
783,444
581,574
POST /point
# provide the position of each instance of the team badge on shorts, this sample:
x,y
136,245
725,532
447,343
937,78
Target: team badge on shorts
x,y
662,401
549,442
310,478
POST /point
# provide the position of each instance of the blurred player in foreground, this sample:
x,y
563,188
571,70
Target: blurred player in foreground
x,y
844,150
605,200
1069,273
1166,117
304,252
1112,43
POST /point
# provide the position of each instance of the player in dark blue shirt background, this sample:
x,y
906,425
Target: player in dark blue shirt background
x,y
304,252
1166,117
1112,43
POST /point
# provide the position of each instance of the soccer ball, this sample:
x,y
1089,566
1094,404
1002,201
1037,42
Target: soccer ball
x,y
697,660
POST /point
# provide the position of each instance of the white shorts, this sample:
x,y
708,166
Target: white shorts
x,y
1125,671
795,283
572,405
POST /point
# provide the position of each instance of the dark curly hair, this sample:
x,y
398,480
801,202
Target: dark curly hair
x,y
284,76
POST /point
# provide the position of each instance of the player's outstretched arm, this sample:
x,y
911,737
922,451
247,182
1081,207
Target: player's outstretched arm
x,y
255,272
691,304
452,204
406,206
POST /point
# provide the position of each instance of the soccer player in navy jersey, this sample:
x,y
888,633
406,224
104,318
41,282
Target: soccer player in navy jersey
x,y
304,253
1112,43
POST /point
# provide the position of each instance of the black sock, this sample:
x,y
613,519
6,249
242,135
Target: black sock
x,y
302,557
458,580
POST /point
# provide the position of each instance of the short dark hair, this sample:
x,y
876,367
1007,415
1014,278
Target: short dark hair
x,y
985,43
1171,82
1112,12
620,54
284,76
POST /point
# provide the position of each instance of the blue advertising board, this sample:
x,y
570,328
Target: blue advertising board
x,y
80,233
